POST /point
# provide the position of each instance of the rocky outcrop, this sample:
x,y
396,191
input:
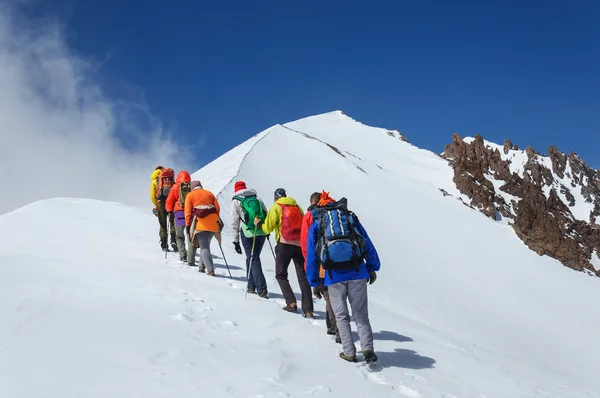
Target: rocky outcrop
x,y
509,146
471,162
537,200
559,161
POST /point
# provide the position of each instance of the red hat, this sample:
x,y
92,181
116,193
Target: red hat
x,y
239,185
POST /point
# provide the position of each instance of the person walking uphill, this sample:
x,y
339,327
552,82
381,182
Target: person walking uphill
x,y
245,207
162,180
175,204
285,218
320,291
202,222
338,242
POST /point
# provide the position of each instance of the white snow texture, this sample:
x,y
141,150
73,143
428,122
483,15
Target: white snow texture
x,y
461,308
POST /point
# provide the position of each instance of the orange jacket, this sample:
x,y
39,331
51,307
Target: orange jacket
x,y
202,197
172,203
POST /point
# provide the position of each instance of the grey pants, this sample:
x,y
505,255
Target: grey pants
x,y
180,236
191,254
203,238
355,292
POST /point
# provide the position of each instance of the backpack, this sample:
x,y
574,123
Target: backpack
x,y
252,208
164,183
184,189
291,222
339,244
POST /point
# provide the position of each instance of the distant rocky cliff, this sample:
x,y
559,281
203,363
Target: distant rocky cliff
x,y
552,201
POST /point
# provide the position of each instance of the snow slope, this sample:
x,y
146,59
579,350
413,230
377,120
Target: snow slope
x,y
461,307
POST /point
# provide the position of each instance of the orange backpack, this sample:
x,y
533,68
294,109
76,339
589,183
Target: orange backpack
x,y
165,181
291,222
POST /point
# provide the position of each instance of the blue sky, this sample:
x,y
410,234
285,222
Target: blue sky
x,y
218,72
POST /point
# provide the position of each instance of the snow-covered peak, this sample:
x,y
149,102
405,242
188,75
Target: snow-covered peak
x,y
461,308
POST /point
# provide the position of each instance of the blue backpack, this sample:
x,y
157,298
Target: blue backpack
x,y
339,244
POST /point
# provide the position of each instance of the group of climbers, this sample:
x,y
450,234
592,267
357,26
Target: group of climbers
x,y
184,207
328,245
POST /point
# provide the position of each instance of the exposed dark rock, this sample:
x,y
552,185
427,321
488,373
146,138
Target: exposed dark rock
x,y
508,145
543,221
559,161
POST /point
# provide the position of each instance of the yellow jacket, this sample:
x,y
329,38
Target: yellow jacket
x,y
273,220
153,186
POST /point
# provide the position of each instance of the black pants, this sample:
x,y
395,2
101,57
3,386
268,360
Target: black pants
x,y
284,254
330,318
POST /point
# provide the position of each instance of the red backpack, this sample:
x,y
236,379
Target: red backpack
x,y
291,222
166,179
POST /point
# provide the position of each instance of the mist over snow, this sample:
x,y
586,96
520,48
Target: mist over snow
x,y
61,134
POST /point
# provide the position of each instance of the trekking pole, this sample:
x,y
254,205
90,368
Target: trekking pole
x,y
168,228
271,246
249,271
224,259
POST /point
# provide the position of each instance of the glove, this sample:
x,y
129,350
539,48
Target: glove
x,y
318,292
155,212
372,277
238,249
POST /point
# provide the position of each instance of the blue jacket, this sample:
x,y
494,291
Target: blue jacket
x,y
337,276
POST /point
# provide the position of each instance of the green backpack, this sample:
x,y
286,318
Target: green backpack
x,y
184,189
252,208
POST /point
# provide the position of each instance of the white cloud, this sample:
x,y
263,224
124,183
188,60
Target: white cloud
x,y
59,134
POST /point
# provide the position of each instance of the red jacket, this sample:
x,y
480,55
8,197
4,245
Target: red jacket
x,y
306,223
172,204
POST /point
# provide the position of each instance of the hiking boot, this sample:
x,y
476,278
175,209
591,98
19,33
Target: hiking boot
x,y
370,356
338,339
347,358
163,245
250,291
331,331
183,259
264,294
201,268
293,307
309,315
211,273
174,246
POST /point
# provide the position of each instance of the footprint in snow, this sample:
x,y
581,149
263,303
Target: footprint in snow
x,y
317,389
417,378
234,285
404,391
182,317
162,355
371,373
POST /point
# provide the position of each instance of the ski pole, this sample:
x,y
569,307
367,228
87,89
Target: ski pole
x,y
224,259
249,272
